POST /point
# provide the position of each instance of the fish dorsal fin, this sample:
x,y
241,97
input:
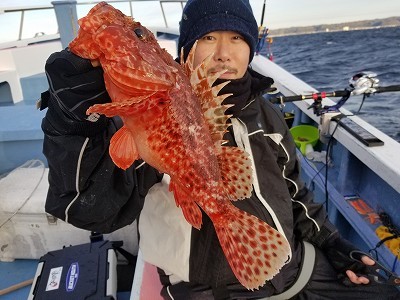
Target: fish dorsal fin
x,y
234,162
211,103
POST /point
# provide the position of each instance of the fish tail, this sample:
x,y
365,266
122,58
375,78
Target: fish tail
x,y
254,250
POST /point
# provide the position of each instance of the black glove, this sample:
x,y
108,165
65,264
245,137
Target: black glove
x,y
74,85
338,252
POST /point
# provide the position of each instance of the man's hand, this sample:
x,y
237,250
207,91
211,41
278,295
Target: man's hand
x,y
360,279
75,84
352,265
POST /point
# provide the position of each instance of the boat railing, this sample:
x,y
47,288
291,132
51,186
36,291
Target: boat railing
x,y
23,35
23,11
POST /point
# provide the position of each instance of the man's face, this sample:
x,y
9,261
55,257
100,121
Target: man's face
x,y
230,50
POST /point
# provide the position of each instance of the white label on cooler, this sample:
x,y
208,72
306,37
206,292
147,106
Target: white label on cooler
x,y
53,282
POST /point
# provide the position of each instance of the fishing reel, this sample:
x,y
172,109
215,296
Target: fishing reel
x,y
364,83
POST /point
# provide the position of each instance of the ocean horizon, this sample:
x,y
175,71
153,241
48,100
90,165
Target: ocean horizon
x,y
327,60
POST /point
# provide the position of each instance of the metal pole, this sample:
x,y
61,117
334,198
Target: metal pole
x,y
67,20
131,8
21,25
163,13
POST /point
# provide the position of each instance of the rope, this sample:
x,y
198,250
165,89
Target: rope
x,y
16,287
28,164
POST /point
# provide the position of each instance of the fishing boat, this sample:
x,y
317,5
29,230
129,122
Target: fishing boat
x,y
350,165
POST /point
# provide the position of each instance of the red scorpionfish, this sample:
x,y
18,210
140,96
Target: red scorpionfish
x,y
174,121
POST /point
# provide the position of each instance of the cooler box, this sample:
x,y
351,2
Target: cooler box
x,y
81,272
27,231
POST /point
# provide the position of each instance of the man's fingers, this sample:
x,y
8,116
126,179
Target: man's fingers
x,y
356,279
367,260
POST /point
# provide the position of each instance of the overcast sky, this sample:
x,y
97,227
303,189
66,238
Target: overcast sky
x,y
278,13
288,13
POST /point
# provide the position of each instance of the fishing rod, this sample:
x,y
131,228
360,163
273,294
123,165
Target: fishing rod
x,y
262,36
262,14
364,83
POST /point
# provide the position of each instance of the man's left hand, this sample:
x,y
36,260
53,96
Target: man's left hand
x,y
354,278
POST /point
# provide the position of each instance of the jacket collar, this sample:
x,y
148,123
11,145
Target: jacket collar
x,y
244,90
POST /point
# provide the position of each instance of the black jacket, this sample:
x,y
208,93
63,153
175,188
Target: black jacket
x,y
90,192
279,186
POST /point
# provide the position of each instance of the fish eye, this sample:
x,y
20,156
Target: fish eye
x,y
139,33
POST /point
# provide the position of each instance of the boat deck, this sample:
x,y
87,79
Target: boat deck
x,y
16,272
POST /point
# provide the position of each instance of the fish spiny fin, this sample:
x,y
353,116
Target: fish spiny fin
x,y
254,250
190,210
211,103
123,150
188,65
236,172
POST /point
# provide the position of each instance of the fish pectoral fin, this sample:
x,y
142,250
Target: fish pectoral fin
x,y
123,150
134,105
236,171
190,209
111,109
254,250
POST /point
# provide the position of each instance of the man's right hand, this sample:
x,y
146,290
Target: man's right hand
x,y
74,84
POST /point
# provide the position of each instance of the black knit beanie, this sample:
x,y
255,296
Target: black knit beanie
x,y
203,16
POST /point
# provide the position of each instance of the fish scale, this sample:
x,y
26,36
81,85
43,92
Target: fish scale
x,y
174,120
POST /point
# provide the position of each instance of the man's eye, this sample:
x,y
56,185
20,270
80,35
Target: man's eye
x,y
139,33
207,38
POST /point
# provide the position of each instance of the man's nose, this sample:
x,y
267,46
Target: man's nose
x,y
222,52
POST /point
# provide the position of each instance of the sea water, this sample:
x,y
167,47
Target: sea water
x,y
328,60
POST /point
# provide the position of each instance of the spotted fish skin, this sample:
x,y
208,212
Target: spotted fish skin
x,y
174,120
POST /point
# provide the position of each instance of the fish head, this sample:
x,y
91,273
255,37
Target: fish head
x,y
127,51
98,17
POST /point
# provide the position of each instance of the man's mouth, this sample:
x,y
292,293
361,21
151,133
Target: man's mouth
x,y
228,71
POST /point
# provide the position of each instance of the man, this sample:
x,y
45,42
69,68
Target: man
x,y
89,191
